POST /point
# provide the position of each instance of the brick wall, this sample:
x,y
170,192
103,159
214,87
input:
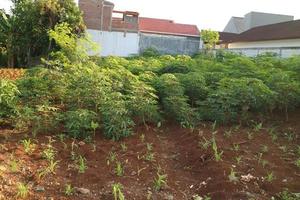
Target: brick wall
x,y
97,14
129,22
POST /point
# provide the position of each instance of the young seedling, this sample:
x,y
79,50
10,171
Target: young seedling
x,y
205,197
232,176
117,191
236,147
264,163
283,148
51,168
149,156
274,137
22,191
270,177
205,144
123,147
73,154
287,195
149,195
112,157
94,148
214,125
88,139
28,146
265,149
149,146
61,137
160,181
259,157
13,164
119,170
217,154
94,126
49,153
289,136
69,190
228,133
258,126
250,135
238,159
142,138
81,164
237,127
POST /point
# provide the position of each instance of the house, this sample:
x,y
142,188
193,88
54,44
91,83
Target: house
x,y
271,34
285,34
224,39
254,19
125,33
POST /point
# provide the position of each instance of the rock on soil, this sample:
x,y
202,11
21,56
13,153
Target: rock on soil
x,y
82,190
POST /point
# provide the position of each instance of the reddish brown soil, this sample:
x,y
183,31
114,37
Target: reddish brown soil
x,y
191,169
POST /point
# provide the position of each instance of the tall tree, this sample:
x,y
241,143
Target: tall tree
x,y
210,38
24,34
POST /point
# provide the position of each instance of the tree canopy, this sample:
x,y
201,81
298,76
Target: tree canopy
x,y
24,32
210,38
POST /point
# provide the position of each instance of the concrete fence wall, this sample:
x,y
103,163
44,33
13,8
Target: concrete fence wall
x,y
168,44
115,43
252,52
112,43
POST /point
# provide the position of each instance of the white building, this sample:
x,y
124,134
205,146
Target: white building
x,y
254,19
280,35
262,35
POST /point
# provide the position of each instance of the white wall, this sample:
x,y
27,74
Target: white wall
x,y
281,52
266,44
115,43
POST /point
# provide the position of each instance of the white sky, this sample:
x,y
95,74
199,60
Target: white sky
x,y
213,14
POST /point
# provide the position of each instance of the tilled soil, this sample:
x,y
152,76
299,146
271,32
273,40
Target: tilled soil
x,y
179,153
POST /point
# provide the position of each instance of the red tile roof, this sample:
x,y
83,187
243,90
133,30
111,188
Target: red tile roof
x,y
167,27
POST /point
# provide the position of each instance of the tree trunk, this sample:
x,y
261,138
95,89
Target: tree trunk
x,y
28,56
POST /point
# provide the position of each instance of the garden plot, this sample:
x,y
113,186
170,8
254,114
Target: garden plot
x,y
210,161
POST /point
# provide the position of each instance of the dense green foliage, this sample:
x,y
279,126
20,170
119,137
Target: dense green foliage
x,y
24,32
8,98
210,38
77,94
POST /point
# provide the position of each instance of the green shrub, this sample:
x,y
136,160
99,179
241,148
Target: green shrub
x,y
175,68
40,84
235,98
287,90
78,122
194,86
286,195
115,117
150,52
8,98
174,102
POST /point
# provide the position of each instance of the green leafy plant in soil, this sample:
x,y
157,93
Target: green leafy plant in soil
x,y
78,95
160,180
117,191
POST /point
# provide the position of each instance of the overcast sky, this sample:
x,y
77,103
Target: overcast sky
x,y
208,14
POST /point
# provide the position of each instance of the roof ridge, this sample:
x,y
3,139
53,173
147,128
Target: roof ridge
x,y
275,24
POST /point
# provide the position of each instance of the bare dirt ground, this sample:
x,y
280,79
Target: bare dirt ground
x,y
264,164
